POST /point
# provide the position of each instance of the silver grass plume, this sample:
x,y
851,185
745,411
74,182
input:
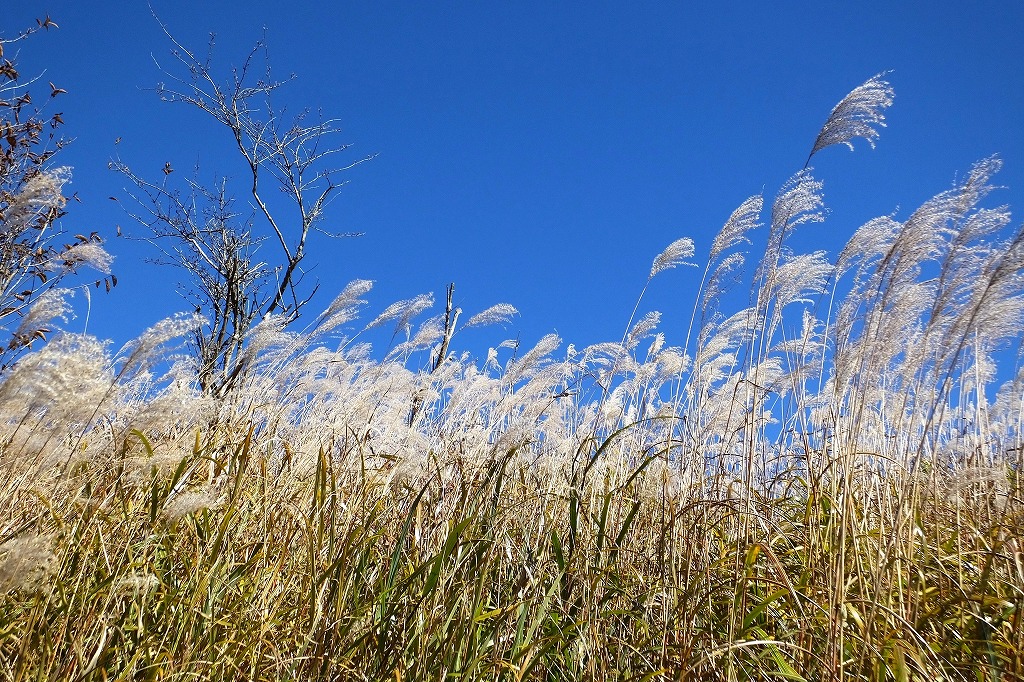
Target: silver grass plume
x,y
48,306
998,295
642,329
137,355
742,220
604,353
719,340
67,378
859,114
87,253
672,362
403,311
656,346
799,201
532,360
343,308
801,344
266,334
726,273
500,313
429,332
871,241
41,193
799,277
674,254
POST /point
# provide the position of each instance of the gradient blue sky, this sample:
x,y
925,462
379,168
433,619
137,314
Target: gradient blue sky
x,y
542,154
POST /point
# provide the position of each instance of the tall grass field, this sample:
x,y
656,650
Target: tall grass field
x,y
821,482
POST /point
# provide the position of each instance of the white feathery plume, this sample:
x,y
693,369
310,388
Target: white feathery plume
x,y
998,294
642,329
140,353
799,201
672,362
492,359
429,333
403,311
801,345
800,276
88,253
859,114
656,345
72,368
976,187
39,194
532,359
189,502
872,240
267,333
980,225
417,306
724,336
500,313
674,254
604,353
342,308
48,306
742,220
726,273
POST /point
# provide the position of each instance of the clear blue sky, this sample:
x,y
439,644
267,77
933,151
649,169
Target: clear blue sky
x,y
542,154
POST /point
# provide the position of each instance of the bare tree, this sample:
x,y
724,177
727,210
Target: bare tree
x,y
199,230
35,255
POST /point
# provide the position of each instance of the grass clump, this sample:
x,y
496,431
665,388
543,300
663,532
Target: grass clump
x,y
787,495
493,569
